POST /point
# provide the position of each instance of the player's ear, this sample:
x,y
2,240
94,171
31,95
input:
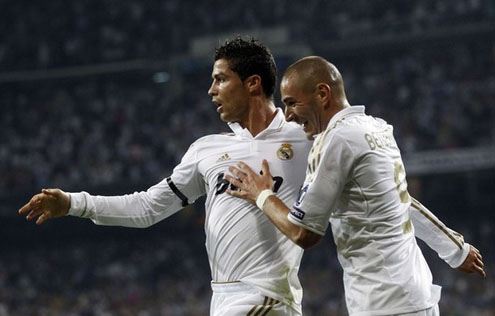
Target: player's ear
x,y
324,94
253,84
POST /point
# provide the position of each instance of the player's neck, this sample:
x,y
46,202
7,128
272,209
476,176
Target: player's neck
x,y
261,114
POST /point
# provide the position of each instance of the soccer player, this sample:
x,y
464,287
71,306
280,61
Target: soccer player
x,y
355,180
254,267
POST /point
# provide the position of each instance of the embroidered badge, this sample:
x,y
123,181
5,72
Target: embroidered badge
x,y
285,152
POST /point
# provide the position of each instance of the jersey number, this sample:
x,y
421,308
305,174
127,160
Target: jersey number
x,y
223,184
400,181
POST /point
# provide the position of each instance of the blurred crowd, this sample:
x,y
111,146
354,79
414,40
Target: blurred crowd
x,y
58,33
166,273
97,132
127,131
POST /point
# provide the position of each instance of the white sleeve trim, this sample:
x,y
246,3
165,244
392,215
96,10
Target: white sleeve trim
x,y
77,205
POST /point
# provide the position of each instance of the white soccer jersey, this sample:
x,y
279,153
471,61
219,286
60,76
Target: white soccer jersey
x,y
356,180
242,243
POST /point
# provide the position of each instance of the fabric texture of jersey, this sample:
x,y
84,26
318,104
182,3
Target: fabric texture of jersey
x,y
239,299
241,242
355,180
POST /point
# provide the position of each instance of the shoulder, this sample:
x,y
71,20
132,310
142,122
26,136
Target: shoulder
x,y
213,139
363,132
212,142
356,125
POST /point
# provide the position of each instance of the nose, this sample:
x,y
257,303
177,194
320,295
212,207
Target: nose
x,y
212,91
289,114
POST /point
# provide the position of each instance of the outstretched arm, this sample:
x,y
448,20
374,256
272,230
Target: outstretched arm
x,y
251,185
140,209
448,244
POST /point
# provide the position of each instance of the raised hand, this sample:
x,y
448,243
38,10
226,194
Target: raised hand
x,y
473,263
50,203
250,183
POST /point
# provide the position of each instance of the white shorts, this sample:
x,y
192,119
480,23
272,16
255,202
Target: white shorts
x,y
239,299
433,311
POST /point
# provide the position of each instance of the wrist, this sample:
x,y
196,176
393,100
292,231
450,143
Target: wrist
x,y
68,203
261,199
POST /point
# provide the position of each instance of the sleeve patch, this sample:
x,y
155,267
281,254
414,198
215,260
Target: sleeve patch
x,y
297,213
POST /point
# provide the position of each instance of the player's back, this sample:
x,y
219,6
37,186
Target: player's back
x,y
384,270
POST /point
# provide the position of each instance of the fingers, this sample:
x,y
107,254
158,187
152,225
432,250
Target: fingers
x,y
265,168
33,203
51,192
245,168
478,269
50,203
233,181
477,252
479,265
481,272
27,207
41,219
237,172
238,194
474,263
33,214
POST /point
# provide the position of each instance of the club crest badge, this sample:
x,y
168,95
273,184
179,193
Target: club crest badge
x,y
285,152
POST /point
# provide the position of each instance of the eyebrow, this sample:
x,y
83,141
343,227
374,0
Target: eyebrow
x,y
218,75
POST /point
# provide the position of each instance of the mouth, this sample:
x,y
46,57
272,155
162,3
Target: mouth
x,y
305,126
218,105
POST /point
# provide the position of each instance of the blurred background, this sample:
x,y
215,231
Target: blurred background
x,y
106,96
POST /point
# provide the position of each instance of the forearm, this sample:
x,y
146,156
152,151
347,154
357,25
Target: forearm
x,y
277,212
257,189
449,244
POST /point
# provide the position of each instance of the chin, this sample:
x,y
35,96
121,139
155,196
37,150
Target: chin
x,y
224,118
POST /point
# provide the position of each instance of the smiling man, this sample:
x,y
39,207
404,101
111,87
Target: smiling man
x,y
355,180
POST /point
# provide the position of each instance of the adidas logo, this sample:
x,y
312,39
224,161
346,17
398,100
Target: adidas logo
x,y
224,157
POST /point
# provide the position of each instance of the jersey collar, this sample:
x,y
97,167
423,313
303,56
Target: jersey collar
x,y
348,111
276,124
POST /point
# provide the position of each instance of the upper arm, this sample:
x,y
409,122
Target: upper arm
x,y
186,180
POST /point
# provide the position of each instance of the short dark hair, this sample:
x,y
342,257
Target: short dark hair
x,y
249,57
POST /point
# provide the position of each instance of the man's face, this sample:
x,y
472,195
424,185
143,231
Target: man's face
x,y
229,93
301,107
